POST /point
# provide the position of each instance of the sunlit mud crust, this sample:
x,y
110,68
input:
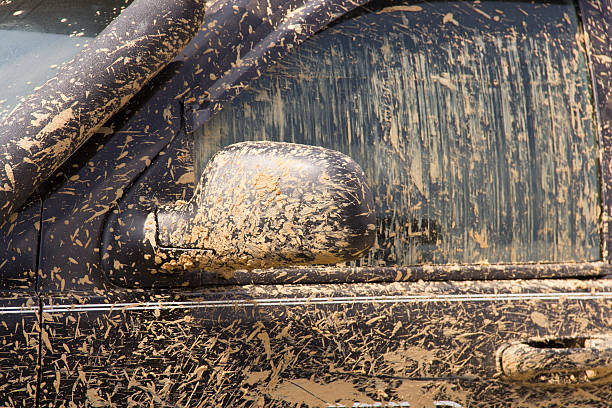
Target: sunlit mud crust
x,y
95,344
317,345
258,205
48,127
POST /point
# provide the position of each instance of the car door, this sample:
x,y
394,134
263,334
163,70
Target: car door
x,y
486,286
19,308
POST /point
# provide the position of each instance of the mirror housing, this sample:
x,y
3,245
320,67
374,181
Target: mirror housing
x,y
260,205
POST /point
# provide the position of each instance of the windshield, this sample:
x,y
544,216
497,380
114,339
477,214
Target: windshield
x,y
39,35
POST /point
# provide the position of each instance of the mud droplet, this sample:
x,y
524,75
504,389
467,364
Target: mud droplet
x,y
539,319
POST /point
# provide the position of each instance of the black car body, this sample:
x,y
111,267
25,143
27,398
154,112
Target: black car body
x,y
83,324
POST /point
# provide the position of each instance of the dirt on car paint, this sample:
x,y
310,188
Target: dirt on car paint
x,y
265,204
76,362
44,130
319,345
478,137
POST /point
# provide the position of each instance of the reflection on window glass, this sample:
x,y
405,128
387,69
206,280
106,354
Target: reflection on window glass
x,y
38,36
472,120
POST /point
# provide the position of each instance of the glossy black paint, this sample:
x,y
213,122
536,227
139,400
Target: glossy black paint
x,y
19,349
314,345
19,249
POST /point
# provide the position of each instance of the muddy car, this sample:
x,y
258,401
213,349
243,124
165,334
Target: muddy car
x,y
305,203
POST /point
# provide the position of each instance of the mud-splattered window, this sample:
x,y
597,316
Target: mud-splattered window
x,y
36,37
472,120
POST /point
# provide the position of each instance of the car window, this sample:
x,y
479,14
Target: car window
x,y
473,122
38,36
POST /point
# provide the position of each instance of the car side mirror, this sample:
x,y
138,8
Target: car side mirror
x,y
262,205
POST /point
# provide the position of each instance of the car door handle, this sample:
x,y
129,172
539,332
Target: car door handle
x,y
558,360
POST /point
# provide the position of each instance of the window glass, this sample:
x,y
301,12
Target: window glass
x,y
38,36
472,120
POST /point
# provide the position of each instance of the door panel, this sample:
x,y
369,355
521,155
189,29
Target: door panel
x,y
19,339
19,328
19,249
317,345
